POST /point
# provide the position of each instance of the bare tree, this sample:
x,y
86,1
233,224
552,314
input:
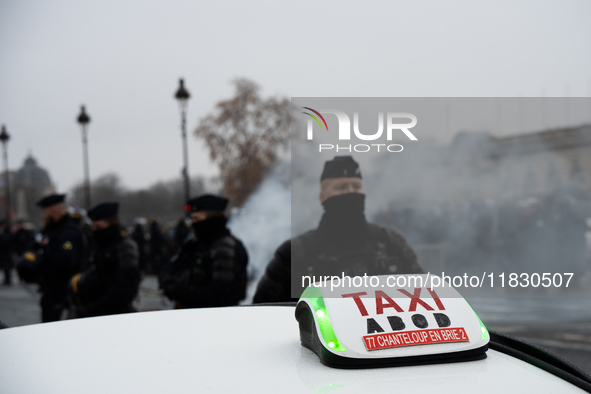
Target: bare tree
x,y
244,135
107,187
163,200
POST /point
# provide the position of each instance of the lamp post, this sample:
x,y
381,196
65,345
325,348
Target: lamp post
x,y
182,96
84,120
4,137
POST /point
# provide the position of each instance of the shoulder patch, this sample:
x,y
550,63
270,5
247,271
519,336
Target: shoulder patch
x,y
67,245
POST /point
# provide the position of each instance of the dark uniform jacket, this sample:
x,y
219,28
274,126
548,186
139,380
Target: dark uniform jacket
x,y
209,272
60,255
383,252
6,247
110,285
24,240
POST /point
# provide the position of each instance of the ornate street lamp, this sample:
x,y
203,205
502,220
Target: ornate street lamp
x,y
84,120
182,95
4,137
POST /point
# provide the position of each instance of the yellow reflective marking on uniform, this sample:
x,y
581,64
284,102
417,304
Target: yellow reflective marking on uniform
x,y
67,245
75,280
30,256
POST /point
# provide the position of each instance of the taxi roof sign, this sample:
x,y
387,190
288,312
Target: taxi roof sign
x,y
356,327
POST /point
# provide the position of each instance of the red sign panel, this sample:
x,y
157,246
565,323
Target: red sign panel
x,y
418,337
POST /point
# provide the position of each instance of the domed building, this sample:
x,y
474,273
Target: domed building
x,y
29,184
31,174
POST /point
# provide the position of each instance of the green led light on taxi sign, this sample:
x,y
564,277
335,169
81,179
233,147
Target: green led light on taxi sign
x,y
483,328
314,295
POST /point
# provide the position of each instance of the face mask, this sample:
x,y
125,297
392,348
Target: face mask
x,y
343,222
200,228
107,236
210,226
50,221
350,204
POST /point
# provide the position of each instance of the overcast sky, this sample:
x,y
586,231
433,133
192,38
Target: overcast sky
x,y
122,59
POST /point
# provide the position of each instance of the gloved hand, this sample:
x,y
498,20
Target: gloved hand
x,y
28,268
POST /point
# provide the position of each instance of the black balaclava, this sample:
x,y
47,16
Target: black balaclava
x,y
108,236
343,223
210,227
52,223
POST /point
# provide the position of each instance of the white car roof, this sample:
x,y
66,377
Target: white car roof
x,y
239,349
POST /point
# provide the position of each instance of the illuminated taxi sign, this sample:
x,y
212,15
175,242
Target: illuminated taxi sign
x,y
352,326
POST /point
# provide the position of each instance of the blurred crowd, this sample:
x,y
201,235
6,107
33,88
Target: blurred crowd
x,y
156,241
91,264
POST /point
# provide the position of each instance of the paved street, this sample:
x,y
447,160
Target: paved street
x,y
562,326
19,303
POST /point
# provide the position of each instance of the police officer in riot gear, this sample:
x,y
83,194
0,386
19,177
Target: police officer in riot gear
x,y
209,270
344,242
24,239
140,238
6,250
111,283
57,258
